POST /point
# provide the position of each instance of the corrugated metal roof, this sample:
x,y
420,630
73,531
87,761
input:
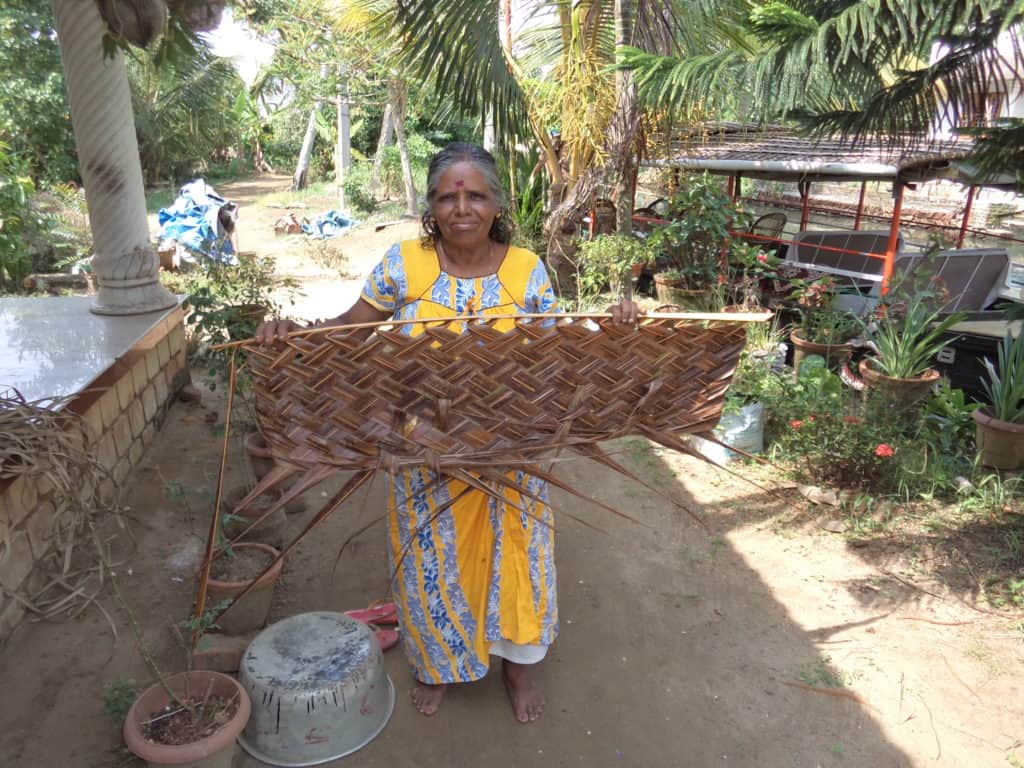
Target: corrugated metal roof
x,y
777,153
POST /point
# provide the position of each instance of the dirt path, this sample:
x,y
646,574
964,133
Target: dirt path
x,y
761,641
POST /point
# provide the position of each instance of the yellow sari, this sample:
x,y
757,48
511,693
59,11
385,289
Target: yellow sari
x,y
479,578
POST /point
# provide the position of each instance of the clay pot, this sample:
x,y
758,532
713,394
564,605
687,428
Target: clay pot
x,y
898,391
215,751
252,611
1000,443
669,292
270,531
835,354
261,460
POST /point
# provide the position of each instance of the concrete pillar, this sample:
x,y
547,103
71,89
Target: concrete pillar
x,y
125,262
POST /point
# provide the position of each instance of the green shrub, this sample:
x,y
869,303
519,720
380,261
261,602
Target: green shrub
x,y
357,188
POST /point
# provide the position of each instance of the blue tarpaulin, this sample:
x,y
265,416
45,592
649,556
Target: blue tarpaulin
x,y
328,224
201,221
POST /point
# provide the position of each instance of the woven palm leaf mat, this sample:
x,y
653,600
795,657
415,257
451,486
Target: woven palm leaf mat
x,y
469,401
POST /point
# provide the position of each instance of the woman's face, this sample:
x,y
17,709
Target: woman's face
x,y
464,206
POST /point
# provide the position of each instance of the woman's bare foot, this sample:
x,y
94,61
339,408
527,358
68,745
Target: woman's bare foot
x,y
527,699
427,698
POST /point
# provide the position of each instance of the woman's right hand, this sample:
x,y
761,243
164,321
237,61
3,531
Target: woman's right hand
x,y
273,331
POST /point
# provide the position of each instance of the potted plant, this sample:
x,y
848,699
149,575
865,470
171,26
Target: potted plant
x,y
227,302
189,719
906,334
755,381
823,329
232,570
690,244
999,426
192,719
608,261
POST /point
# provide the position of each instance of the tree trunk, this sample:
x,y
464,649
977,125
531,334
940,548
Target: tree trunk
x,y
489,142
302,166
396,90
386,126
125,262
622,133
563,224
343,152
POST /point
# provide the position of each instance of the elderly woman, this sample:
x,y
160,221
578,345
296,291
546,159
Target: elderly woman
x,y
479,579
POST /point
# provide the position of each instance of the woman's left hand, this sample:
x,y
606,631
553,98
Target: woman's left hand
x,y
625,311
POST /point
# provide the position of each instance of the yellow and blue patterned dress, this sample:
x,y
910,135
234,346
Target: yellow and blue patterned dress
x,y
480,578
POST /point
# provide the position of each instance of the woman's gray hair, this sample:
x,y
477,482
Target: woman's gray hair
x,y
461,152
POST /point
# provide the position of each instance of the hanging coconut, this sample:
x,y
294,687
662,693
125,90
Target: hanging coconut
x,y
198,15
137,21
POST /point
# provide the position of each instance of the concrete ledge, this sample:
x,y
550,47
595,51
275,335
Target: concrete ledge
x,y
122,408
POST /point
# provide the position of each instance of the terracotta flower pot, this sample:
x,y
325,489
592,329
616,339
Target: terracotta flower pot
x,y
899,391
261,460
1000,443
835,354
270,530
670,291
252,611
216,750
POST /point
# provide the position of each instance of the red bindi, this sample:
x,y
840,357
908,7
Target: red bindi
x,y
460,183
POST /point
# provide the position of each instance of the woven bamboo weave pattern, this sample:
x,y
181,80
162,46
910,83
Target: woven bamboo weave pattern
x,y
486,398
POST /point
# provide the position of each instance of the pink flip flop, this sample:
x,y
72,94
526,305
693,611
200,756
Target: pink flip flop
x,y
388,638
385,613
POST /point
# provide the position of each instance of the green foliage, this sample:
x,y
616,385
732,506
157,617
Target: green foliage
x,y
184,100
15,188
606,261
206,622
35,120
833,435
526,203
757,378
420,151
118,698
357,188
907,334
1005,385
821,322
689,245
226,303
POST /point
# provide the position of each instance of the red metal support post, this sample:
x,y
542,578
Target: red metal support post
x,y
730,187
894,235
737,191
967,217
860,205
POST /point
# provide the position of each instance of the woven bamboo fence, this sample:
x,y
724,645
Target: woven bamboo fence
x,y
470,401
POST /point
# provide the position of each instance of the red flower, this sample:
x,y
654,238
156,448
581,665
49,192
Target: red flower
x,y
810,419
762,257
796,423
884,451
852,420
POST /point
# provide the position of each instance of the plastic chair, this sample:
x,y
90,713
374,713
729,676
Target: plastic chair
x,y
766,229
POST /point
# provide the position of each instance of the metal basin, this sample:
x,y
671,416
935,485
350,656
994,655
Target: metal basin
x,y
318,690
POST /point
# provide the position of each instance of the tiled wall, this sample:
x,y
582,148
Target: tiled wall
x,y
123,410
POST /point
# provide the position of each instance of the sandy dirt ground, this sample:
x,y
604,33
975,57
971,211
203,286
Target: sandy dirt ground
x,y
760,640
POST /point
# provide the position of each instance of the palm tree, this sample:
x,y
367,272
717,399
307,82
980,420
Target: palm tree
x,y
898,68
464,56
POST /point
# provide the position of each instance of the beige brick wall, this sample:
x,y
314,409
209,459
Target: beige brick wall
x,y
123,414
